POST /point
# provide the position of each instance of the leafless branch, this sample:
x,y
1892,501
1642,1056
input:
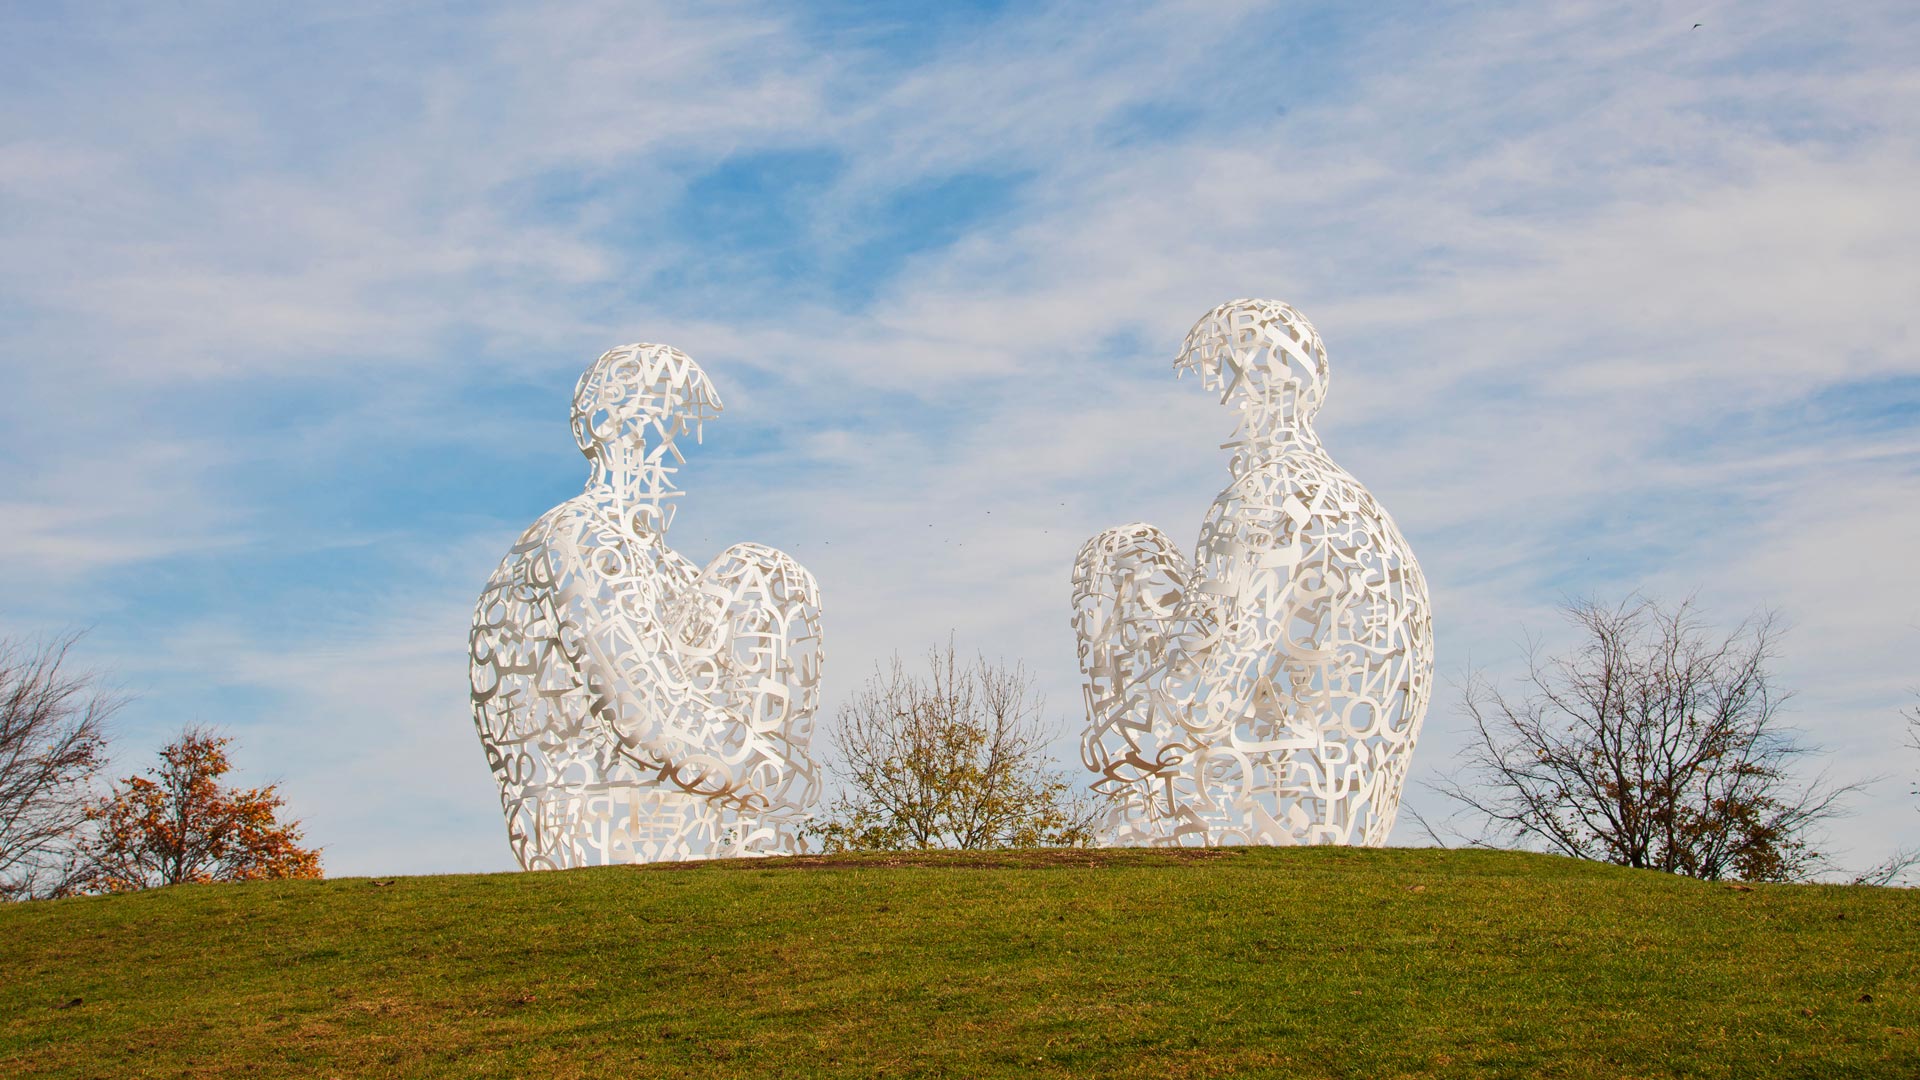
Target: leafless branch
x,y
1653,743
53,739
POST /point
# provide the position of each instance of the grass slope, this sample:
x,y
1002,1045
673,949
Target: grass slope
x,y
1318,962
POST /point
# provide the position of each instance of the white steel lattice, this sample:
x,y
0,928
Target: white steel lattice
x,y
634,708
1271,691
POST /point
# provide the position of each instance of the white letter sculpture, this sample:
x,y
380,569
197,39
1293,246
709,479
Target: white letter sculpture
x,y
632,707
1271,692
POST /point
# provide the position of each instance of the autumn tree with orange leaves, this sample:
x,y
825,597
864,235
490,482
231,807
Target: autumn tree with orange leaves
x,y
178,824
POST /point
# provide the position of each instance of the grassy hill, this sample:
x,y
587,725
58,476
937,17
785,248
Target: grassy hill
x,y
1268,962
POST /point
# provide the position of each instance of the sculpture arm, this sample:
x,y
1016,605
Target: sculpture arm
x,y
610,598
748,638
1257,593
1128,583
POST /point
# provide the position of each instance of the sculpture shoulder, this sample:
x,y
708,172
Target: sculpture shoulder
x,y
530,560
1299,492
579,519
535,538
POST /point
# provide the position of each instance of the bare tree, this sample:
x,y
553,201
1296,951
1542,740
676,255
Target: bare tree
x,y
1913,737
53,742
1653,744
1893,870
954,757
1898,867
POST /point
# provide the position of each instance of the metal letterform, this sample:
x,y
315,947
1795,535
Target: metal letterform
x,y
1270,691
633,707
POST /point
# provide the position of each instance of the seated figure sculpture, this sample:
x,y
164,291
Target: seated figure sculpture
x,y
1271,691
632,707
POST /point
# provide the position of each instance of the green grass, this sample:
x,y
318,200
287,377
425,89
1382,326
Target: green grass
x,y
1329,962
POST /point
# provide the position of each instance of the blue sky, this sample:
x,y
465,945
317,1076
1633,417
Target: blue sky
x,y
291,306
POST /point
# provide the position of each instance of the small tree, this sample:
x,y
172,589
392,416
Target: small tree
x,y
954,758
178,824
53,742
1653,744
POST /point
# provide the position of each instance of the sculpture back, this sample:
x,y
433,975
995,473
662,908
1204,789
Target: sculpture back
x,y
1271,690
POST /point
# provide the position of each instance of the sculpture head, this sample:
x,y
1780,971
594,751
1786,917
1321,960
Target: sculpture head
x,y
1263,357
635,389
